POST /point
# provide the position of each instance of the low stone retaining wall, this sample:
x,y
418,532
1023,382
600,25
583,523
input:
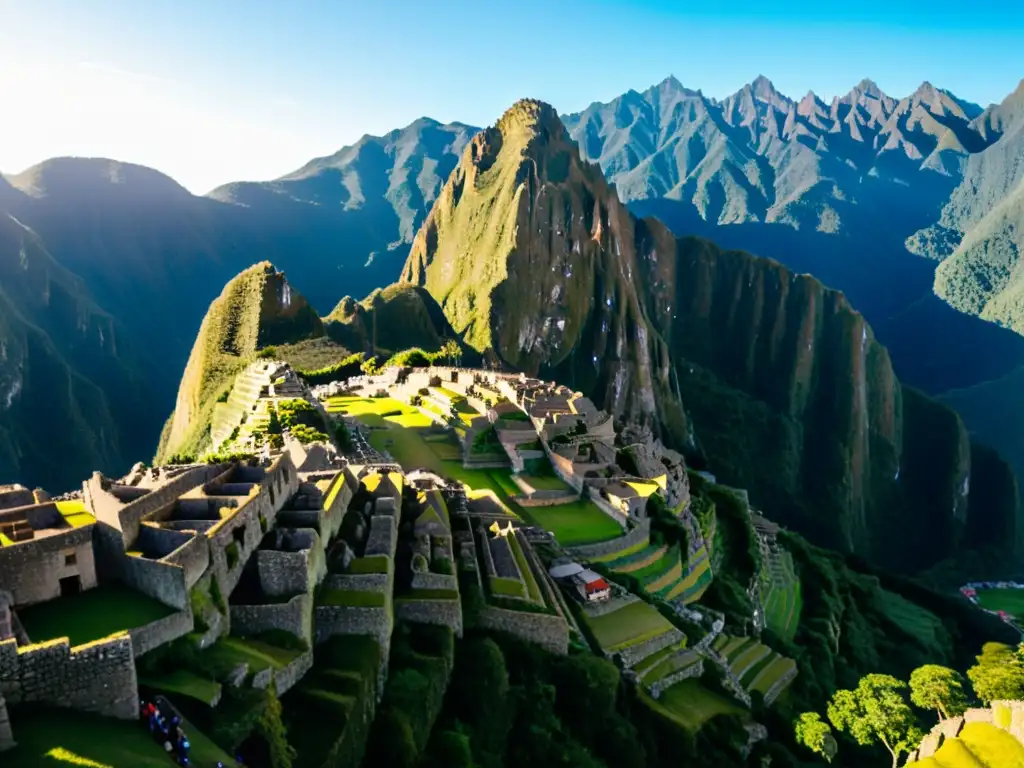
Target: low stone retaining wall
x,y
295,617
161,631
593,610
331,620
779,687
434,581
290,674
549,632
541,499
641,533
362,582
694,670
95,677
446,613
634,654
383,536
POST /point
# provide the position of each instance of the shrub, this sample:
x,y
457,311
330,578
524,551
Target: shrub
x,y
231,550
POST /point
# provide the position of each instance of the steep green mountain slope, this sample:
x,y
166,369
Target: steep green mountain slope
x,y
256,309
390,319
979,234
70,394
533,259
530,255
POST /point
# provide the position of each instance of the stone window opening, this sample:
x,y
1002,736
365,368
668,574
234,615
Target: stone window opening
x,y
70,558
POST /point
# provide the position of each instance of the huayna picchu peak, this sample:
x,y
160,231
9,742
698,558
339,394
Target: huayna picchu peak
x,y
684,429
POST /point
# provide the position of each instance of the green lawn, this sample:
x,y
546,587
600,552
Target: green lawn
x,y
506,587
1009,600
352,598
184,683
62,737
578,522
627,626
371,564
546,482
228,652
91,615
689,704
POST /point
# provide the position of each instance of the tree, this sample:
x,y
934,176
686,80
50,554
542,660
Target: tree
x,y
451,351
999,673
815,734
939,688
875,711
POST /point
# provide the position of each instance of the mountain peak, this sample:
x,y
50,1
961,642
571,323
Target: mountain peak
x,y
86,175
868,87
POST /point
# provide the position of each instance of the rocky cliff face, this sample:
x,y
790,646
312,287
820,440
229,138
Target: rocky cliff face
x,y
256,309
770,377
530,254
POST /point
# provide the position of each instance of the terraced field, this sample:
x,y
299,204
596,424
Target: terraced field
x,y
783,599
756,665
632,624
691,705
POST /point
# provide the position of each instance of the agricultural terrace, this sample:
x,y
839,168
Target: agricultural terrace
x,y
691,705
782,599
415,441
630,625
754,664
661,570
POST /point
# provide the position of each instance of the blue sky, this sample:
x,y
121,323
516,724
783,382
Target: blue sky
x,y
211,91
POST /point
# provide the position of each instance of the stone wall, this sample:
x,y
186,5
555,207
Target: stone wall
x,y
361,582
243,531
602,504
162,581
640,533
694,670
564,468
295,616
161,631
383,536
31,570
446,613
286,573
292,672
193,557
549,499
331,620
634,654
126,518
549,632
6,734
96,677
424,580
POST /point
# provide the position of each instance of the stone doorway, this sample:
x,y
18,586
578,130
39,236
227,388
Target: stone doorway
x,y
70,585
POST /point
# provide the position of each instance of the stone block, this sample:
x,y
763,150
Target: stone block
x,y
237,675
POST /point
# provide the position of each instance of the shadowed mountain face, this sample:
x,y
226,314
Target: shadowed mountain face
x,y
770,376
836,189
154,256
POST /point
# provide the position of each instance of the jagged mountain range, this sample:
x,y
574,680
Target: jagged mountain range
x,y
828,188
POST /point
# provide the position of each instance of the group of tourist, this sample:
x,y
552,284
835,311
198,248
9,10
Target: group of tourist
x,y
167,731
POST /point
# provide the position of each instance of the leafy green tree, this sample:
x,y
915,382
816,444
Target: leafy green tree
x,y
451,351
876,712
999,673
940,688
815,734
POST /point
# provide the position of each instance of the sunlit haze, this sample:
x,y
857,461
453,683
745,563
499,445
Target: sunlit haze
x,y
215,92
